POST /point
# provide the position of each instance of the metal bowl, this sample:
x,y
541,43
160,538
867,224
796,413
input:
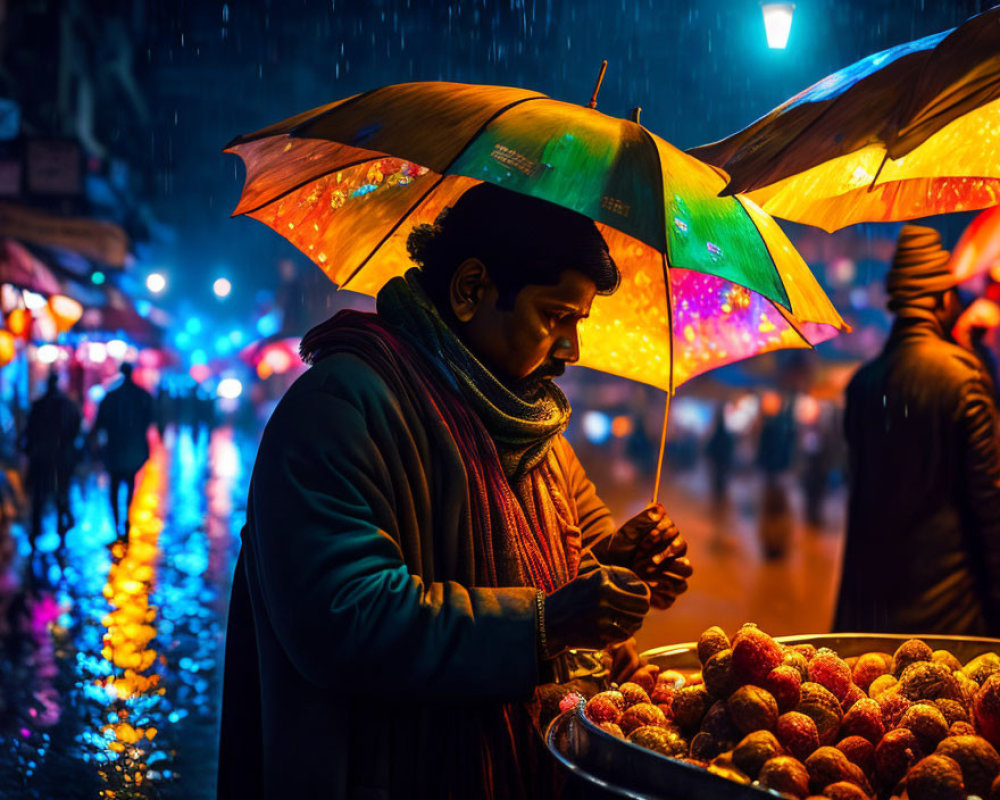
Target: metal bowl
x,y
613,768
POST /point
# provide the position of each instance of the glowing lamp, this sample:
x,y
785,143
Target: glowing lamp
x,y
65,311
156,282
47,354
8,348
117,349
229,388
19,322
777,23
222,288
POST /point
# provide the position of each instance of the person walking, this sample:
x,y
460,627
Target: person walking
x,y
124,416
922,553
52,427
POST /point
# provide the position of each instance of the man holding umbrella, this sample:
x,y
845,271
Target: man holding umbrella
x,y
923,538
416,551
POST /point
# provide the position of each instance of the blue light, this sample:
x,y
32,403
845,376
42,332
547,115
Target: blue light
x,y
96,393
596,427
269,324
143,307
97,277
193,326
223,346
236,337
183,340
198,357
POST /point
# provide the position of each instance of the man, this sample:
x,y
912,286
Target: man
x,y
412,560
53,425
125,415
923,539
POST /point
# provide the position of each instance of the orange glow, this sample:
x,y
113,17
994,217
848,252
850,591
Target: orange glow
x,y
770,404
65,311
621,426
130,624
19,322
8,348
264,370
978,249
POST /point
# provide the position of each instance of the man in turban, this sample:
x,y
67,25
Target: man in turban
x,y
923,533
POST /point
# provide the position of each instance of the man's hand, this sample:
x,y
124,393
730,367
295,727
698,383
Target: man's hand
x,y
604,606
652,547
625,664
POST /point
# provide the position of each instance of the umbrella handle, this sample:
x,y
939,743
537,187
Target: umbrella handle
x,y
663,447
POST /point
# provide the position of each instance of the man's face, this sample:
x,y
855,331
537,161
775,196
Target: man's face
x,y
535,339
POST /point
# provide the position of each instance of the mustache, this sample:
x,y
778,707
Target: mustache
x,y
551,370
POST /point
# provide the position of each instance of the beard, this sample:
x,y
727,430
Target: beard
x,y
536,383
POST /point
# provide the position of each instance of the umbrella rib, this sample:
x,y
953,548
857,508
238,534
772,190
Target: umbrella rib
x,y
444,173
306,182
496,115
395,227
763,241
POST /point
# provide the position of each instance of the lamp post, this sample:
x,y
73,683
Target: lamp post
x,y
777,23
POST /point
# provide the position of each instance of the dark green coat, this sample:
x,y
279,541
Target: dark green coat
x,y
361,661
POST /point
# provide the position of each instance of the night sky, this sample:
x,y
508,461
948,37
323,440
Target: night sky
x,y
700,70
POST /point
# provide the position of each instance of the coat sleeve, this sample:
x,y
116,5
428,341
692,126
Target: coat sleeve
x,y
595,520
332,579
981,457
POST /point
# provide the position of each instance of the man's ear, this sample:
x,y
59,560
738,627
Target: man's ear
x,y
467,289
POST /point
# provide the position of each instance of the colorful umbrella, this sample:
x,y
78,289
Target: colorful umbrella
x,y
706,280
908,132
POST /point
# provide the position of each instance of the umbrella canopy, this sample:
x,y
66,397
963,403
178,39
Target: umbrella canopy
x,y
978,249
904,133
705,280
22,269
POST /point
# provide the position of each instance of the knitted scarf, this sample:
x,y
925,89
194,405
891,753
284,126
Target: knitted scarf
x,y
522,535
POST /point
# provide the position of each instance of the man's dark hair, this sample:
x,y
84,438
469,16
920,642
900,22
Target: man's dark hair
x,y
521,240
126,370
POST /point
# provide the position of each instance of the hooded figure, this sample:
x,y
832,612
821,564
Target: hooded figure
x,y
923,537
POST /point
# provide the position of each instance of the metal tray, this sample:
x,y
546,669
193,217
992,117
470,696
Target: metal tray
x,y
613,768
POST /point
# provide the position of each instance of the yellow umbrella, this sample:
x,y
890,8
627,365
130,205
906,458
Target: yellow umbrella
x,y
908,132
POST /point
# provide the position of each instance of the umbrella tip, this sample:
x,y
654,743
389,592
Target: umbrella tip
x,y
597,86
635,114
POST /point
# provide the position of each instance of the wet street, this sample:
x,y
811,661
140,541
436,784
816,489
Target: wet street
x,y
111,659
110,652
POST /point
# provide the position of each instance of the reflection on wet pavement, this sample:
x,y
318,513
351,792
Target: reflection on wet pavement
x,y
110,652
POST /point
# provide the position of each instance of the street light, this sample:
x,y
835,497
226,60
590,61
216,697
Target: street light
x,y
777,23
222,288
155,282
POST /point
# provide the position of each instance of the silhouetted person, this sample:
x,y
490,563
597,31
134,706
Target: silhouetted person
x,y
923,534
719,451
125,415
53,424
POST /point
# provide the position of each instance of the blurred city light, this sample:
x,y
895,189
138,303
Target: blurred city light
x,y
97,352
97,277
222,287
596,427
47,354
34,301
116,349
229,388
193,326
155,282
269,324
199,357
777,23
